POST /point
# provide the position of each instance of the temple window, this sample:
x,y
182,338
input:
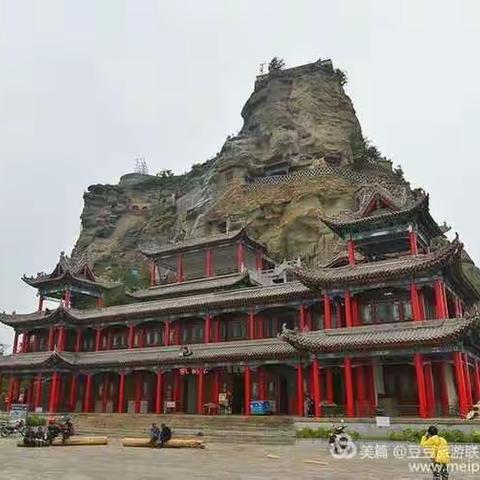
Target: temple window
x,y
234,330
119,340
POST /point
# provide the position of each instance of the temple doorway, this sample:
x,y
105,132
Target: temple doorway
x,y
190,393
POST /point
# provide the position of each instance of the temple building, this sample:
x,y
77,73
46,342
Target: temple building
x,y
387,325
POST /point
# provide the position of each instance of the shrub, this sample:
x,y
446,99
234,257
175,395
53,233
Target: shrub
x,y
36,421
323,433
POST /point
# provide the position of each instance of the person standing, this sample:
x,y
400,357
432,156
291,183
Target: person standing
x,y
437,447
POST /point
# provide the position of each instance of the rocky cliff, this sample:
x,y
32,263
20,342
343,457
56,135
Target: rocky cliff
x,y
299,153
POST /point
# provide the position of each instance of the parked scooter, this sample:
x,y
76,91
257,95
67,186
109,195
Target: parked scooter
x,y
9,429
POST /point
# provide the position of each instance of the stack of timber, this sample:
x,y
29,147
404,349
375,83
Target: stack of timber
x,y
173,443
74,441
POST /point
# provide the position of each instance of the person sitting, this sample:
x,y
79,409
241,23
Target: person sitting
x,y
165,435
438,450
154,434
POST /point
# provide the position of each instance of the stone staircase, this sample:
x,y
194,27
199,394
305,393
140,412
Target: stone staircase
x,y
216,428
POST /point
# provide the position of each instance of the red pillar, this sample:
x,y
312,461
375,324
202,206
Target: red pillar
x,y
11,386
413,242
442,377
422,394
349,398
152,273
52,402
200,402
158,393
166,334
477,381
371,389
88,394
329,385
61,338
240,256
209,263
25,339
460,380
68,298
131,336
180,272
248,389
351,252
15,343
316,388
38,392
138,391
251,324
327,309
259,260
429,389
121,394
51,338
98,340
300,392
100,302
348,309
208,323
468,381
78,341
415,301
215,386
302,318
440,311
73,393
40,303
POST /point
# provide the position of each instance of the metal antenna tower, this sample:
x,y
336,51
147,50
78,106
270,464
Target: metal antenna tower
x,y
141,166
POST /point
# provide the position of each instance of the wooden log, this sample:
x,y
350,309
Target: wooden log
x,y
73,441
173,443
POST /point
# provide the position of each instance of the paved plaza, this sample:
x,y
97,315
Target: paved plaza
x,y
218,461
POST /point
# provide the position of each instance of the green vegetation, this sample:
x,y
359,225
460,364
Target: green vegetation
x,y
322,433
341,76
452,436
276,64
363,151
36,421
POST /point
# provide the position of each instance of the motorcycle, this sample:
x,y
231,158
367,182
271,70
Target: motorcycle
x,y
8,430
340,443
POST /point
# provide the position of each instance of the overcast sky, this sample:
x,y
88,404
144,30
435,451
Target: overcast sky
x,y
87,86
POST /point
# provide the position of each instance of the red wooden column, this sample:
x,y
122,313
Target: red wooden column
x,y
240,256
51,338
208,325
317,398
460,381
131,336
61,338
349,398
200,385
468,381
251,324
259,259
351,252
98,340
78,341
209,271
25,340
73,393
302,318
100,302
180,268
158,393
415,301
166,334
422,394
138,391
215,386
440,302
121,393
38,392
327,309
11,386
300,391
52,402
152,273
371,389
413,239
15,343
429,389
348,309
477,381
40,303
67,299
248,389
88,394
442,377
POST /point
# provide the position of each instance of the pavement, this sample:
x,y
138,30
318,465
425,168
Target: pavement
x,y
305,460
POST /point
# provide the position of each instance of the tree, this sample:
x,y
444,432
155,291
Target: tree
x,y
276,64
342,77
165,174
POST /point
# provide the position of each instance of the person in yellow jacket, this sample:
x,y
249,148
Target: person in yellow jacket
x,y
437,447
